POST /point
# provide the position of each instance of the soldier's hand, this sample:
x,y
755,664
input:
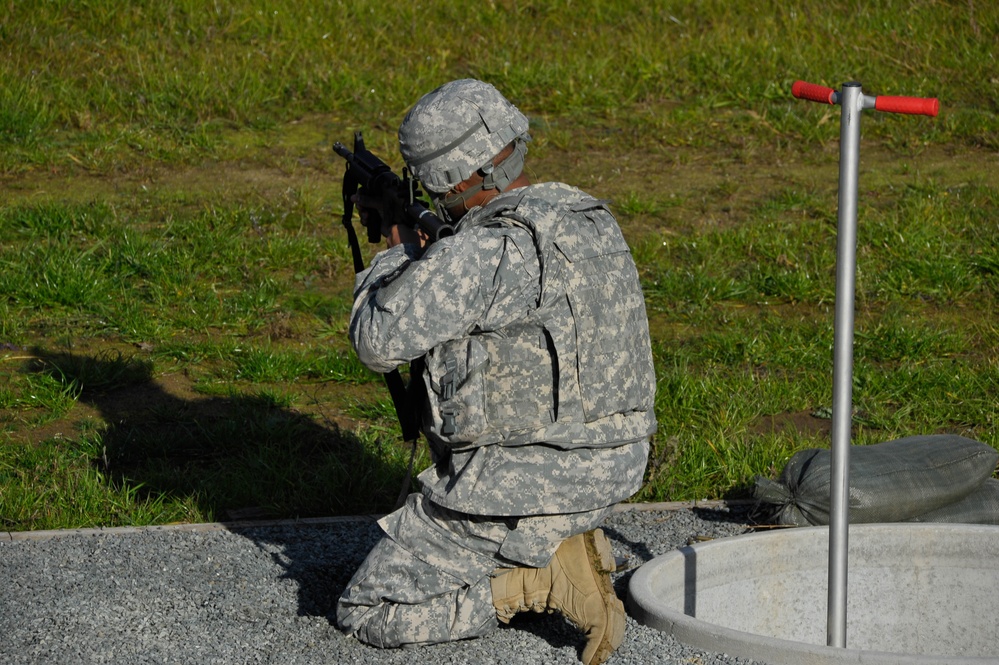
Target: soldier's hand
x,y
373,210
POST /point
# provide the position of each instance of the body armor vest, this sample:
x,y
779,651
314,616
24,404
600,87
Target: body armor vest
x,y
577,370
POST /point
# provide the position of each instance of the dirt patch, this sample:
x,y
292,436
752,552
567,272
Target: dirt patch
x,y
804,423
706,185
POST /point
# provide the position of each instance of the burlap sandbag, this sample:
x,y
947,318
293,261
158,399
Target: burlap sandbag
x,y
979,507
894,481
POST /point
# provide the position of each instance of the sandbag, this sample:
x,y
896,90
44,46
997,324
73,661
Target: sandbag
x,y
894,481
979,507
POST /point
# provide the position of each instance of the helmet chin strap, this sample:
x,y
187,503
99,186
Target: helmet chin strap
x,y
494,176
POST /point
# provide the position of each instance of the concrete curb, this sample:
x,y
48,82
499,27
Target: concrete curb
x,y
16,536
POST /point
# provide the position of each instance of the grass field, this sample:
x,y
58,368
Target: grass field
x,y
176,285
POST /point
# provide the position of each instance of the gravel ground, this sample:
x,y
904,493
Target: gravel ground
x,y
266,594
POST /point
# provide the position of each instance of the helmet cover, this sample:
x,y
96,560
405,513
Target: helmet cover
x,y
457,129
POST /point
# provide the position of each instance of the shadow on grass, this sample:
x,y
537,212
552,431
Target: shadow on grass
x,y
237,457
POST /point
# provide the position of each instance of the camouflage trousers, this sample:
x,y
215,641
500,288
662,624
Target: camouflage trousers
x,y
428,580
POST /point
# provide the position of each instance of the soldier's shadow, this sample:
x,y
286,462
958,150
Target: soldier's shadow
x,y
239,458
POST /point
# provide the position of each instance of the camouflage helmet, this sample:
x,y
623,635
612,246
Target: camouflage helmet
x,y
457,129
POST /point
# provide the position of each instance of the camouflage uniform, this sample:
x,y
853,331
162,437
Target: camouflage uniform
x,y
540,393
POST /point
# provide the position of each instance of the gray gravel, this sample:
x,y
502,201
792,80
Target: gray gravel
x,y
266,594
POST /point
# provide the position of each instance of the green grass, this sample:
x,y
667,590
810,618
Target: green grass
x,y
176,285
57,485
747,330
100,85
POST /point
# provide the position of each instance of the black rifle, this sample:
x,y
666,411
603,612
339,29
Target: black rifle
x,y
400,196
373,177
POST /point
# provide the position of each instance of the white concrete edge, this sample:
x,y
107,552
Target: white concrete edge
x,y
15,536
647,608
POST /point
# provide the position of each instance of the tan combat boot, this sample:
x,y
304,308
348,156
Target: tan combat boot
x,y
576,583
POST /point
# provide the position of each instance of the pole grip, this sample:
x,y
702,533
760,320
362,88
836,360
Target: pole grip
x,y
813,92
912,105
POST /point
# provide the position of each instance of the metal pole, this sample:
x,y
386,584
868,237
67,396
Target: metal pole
x,y
851,103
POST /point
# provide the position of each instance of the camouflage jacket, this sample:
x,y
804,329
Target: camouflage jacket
x,y
533,326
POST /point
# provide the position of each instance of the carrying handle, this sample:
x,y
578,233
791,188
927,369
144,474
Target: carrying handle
x,y
910,105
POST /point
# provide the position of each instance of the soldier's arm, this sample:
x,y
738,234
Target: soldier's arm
x,y
476,280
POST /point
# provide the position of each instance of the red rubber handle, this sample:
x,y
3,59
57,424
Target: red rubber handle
x,y
912,105
813,92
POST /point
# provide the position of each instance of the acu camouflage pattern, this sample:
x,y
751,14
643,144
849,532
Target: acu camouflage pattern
x,y
535,480
428,580
485,282
501,282
457,129
576,369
